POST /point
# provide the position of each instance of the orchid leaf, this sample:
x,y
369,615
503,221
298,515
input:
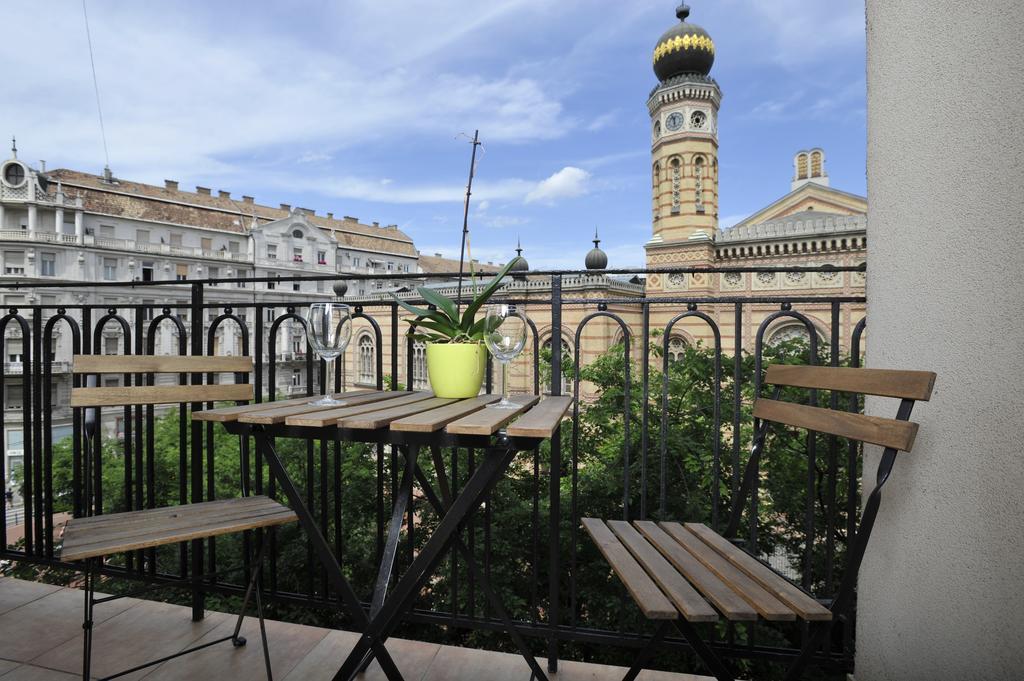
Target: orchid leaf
x,y
421,311
443,328
442,303
469,315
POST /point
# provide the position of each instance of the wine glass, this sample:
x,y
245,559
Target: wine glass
x,y
505,337
329,329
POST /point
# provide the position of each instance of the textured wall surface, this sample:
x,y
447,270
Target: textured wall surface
x,y
942,587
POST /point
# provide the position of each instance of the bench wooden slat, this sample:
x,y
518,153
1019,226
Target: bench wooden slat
x,y
543,419
690,603
156,364
873,429
378,419
321,419
436,419
489,421
911,385
723,597
86,538
278,414
118,525
229,414
654,604
804,605
162,394
767,605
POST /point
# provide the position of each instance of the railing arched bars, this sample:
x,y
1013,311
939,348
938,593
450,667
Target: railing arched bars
x,y
26,406
243,442
574,506
150,379
692,313
812,445
47,399
96,455
378,343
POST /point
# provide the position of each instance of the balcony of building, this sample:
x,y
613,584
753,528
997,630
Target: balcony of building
x,y
601,314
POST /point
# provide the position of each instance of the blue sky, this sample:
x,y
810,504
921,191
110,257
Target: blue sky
x,y
360,107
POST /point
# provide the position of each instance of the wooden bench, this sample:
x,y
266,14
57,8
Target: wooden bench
x,y
91,538
680,574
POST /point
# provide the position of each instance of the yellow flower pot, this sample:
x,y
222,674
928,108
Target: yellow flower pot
x,y
456,369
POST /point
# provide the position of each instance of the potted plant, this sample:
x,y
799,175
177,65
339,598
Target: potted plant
x,y
456,356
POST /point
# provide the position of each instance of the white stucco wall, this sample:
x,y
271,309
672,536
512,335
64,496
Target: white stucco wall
x,y
942,587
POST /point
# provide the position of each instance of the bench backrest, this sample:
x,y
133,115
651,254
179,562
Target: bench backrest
x,y
896,433
163,394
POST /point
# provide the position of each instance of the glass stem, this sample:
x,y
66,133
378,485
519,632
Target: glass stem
x,y
504,382
328,377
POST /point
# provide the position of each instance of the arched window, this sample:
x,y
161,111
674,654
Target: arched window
x,y
419,365
367,373
676,349
801,167
816,166
567,368
297,234
676,184
698,182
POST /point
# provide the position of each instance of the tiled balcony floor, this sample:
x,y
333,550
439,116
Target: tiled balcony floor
x,y
41,640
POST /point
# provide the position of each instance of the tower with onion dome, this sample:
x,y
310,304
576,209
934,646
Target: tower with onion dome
x,y
684,149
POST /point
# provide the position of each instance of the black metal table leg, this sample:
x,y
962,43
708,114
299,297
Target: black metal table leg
x,y
387,563
324,553
486,476
441,507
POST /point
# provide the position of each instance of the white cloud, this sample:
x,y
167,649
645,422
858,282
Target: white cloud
x,y
567,183
188,94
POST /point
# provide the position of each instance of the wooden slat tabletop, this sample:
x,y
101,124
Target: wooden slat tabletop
x,y
229,414
542,420
378,419
277,414
330,417
436,419
489,421
410,412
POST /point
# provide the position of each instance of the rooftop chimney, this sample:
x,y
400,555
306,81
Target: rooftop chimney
x,y
286,206
330,216
349,218
438,255
202,190
171,185
42,166
376,224
223,194
247,199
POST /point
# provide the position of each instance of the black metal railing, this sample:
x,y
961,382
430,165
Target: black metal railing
x,y
659,430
